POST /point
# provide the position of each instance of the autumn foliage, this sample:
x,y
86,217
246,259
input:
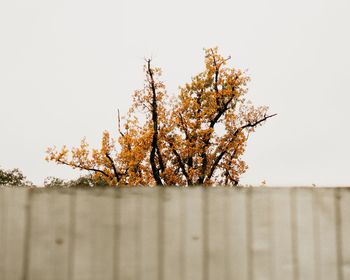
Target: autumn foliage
x,y
196,138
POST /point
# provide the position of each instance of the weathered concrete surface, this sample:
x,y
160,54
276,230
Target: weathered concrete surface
x,y
175,233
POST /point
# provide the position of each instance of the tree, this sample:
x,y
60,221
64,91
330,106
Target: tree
x,y
13,177
83,181
196,138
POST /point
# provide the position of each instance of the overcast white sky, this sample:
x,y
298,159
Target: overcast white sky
x,y
67,65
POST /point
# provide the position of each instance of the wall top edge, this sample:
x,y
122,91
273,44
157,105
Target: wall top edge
x,y
138,188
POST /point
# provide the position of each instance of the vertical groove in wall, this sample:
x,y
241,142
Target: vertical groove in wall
x,y
139,232
270,209
205,217
294,234
183,232
71,240
271,234
316,233
227,233
27,235
3,228
338,231
116,234
161,246
249,225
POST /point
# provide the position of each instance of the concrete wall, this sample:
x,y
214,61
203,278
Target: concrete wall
x,y
171,233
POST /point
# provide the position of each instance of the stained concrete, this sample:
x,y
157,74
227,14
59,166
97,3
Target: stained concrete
x,y
175,233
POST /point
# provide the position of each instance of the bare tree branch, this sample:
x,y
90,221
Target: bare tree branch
x,y
120,132
224,150
154,112
86,168
116,173
181,163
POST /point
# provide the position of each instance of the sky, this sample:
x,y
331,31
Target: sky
x,y
67,66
